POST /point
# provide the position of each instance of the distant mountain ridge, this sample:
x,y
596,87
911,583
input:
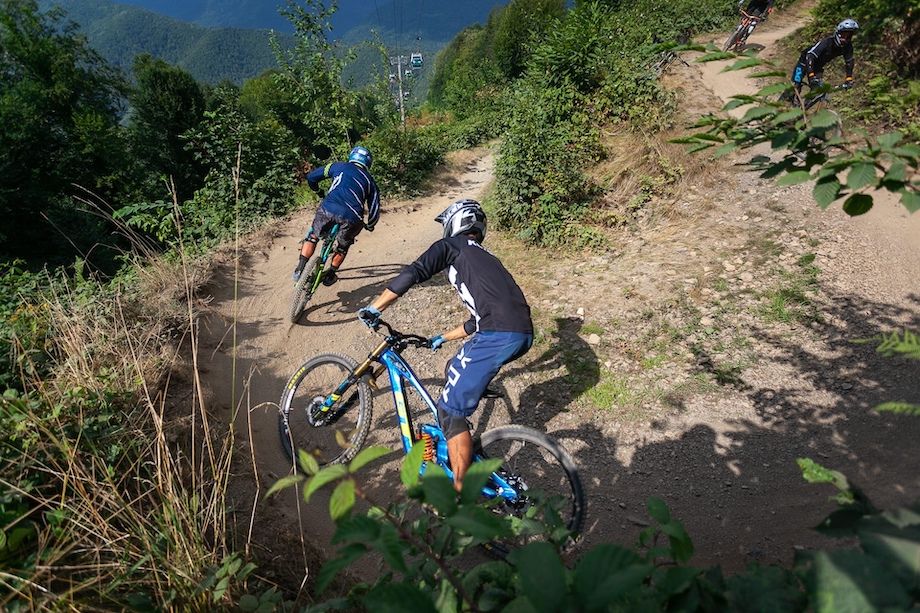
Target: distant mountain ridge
x,y
217,40
119,32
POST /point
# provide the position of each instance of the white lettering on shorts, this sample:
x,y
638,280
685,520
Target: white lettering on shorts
x,y
453,375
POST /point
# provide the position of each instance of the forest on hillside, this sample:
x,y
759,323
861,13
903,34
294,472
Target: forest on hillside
x,y
115,187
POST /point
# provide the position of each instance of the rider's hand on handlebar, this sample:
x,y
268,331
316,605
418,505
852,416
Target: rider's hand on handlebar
x,y
370,317
848,83
436,341
815,82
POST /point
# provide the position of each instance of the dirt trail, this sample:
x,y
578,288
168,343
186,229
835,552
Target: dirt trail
x,y
627,369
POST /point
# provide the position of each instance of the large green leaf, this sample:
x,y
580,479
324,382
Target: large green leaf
x,y
890,139
366,456
826,191
342,499
280,484
439,490
764,588
398,598
326,475
849,581
307,462
479,522
824,119
794,178
658,509
333,567
541,574
757,112
860,175
607,573
409,473
896,548
356,529
857,204
910,199
476,476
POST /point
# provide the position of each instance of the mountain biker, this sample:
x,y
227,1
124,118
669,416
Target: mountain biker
x,y
812,60
499,321
352,187
758,8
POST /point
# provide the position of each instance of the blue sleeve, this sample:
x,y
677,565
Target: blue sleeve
x,y
373,205
433,261
316,175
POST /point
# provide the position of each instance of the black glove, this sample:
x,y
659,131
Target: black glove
x,y
369,227
320,193
848,83
815,82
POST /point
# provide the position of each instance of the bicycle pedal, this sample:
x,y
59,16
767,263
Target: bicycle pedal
x,y
491,392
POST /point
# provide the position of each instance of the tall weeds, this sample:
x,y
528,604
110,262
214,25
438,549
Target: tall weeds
x,y
113,495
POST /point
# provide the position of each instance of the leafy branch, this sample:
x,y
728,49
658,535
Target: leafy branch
x,y
809,146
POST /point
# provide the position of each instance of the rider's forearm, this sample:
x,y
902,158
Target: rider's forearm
x,y
384,300
456,334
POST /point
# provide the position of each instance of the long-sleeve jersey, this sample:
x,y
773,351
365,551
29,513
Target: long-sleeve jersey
x,y
352,187
759,6
815,58
484,285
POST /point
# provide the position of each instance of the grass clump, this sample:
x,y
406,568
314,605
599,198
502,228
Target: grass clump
x,y
793,299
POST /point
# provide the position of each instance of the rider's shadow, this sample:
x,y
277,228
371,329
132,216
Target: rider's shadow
x,y
348,302
579,371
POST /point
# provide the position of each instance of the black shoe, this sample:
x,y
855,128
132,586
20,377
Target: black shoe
x,y
295,276
330,278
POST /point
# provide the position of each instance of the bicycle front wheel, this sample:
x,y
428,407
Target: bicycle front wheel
x,y
303,291
545,479
343,429
732,39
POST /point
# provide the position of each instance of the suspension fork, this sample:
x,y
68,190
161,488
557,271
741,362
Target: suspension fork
x,y
355,375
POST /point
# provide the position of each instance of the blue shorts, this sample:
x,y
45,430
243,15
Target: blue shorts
x,y
798,74
475,365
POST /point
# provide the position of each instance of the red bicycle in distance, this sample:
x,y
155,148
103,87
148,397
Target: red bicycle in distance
x,y
738,39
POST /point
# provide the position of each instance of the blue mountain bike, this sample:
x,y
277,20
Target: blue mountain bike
x,y
312,276
326,410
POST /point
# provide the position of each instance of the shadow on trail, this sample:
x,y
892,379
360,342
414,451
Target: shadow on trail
x,y
540,402
347,302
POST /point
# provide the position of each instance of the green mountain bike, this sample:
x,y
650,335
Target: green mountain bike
x,y
326,410
312,276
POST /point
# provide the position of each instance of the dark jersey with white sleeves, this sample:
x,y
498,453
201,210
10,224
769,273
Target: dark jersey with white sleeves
x,y
484,285
352,186
818,55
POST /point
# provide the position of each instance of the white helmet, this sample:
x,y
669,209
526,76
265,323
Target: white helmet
x,y
847,25
462,217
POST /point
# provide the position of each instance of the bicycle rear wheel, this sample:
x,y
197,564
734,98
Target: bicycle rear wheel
x,y
345,426
303,291
546,480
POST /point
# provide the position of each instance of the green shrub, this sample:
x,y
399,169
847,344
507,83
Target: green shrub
x,y
403,158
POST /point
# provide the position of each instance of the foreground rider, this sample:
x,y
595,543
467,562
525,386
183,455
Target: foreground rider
x,y
813,60
352,188
500,322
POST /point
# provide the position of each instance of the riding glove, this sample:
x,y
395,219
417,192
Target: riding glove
x,y
370,317
436,341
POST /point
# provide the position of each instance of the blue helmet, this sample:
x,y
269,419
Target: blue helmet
x,y
361,157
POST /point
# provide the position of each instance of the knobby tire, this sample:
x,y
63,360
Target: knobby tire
x,y
546,462
730,43
318,377
302,293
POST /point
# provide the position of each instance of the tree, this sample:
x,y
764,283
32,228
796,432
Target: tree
x,y
59,109
166,103
520,23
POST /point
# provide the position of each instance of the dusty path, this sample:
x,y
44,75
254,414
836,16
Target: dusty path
x,y
654,362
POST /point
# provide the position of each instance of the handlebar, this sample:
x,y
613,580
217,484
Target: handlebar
x,y
394,337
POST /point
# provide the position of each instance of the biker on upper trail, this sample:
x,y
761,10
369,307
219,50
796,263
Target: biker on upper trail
x,y
352,188
758,8
813,60
499,322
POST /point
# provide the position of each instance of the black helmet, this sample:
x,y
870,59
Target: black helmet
x,y
463,217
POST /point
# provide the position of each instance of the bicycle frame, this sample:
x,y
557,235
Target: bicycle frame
x,y
328,244
400,374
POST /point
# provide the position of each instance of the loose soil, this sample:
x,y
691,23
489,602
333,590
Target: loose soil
x,y
719,341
